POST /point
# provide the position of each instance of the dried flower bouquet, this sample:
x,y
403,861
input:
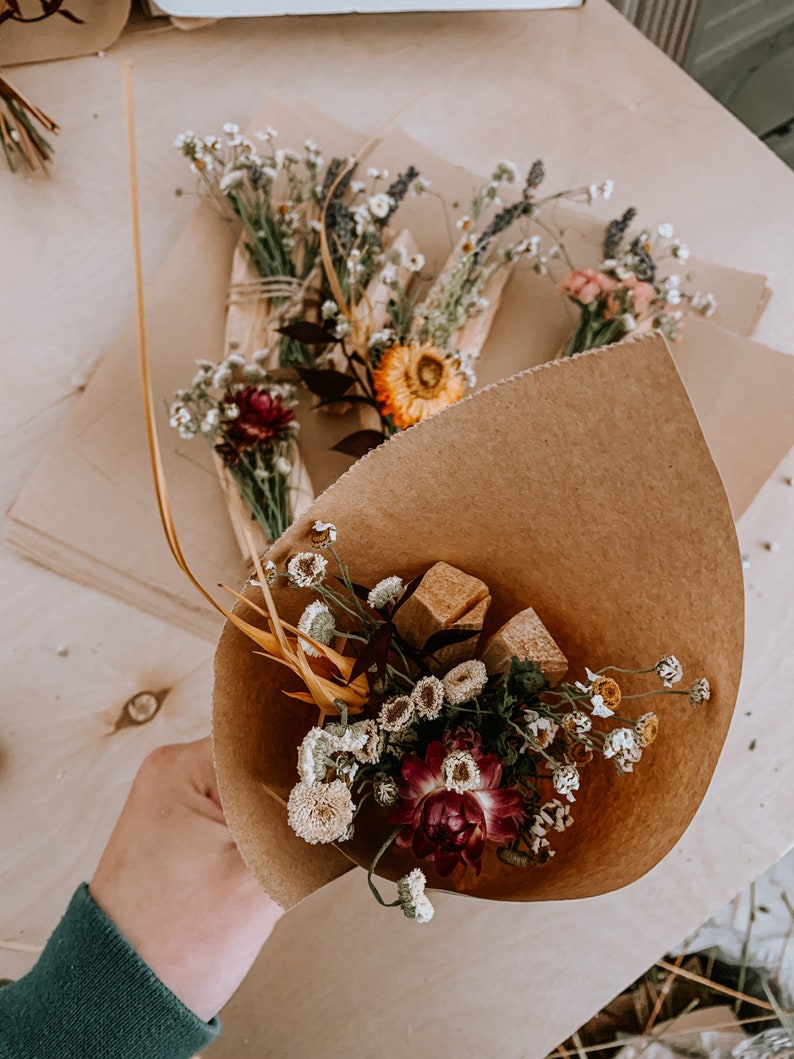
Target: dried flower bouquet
x,y
486,752
309,229
249,420
627,292
617,589
420,354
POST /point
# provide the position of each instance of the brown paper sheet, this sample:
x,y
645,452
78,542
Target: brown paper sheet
x,y
59,38
99,462
583,488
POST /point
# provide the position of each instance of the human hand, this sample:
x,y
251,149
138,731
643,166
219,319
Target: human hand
x,y
174,884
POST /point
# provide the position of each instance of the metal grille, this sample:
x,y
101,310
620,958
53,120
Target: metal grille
x,y
668,23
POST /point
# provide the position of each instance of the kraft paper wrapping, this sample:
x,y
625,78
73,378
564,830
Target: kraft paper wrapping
x,y
100,460
583,488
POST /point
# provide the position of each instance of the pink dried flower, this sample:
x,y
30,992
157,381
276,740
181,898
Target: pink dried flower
x,y
643,294
584,285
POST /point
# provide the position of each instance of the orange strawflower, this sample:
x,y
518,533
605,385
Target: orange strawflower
x,y
414,381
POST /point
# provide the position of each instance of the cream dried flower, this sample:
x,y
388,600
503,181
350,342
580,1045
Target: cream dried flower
x,y
465,681
541,848
369,741
460,772
380,205
699,692
553,814
314,755
669,670
386,591
316,621
428,697
626,759
323,534
271,573
396,713
413,900
385,789
543,729
618,740
577,721
599,707
566,780
345,737
306,569
320,812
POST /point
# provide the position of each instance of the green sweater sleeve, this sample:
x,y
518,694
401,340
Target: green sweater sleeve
x,y
91,996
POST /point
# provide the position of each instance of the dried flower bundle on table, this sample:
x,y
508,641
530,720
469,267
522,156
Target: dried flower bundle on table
x,y
419,354
323,285
627,292
457,752
309,229
249,419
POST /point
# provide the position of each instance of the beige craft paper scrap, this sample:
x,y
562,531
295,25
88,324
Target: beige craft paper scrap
x,y
583,488
58,37
99,461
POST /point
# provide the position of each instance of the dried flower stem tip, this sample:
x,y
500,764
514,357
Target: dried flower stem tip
x,y
428,697
413,900
699,692
386,591
317,621
323,534
306,569
669,670
396,713
465,682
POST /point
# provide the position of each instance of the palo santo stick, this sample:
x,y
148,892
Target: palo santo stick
x,y
525,637
444,597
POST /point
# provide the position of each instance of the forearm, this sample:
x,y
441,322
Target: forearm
x,y
91,995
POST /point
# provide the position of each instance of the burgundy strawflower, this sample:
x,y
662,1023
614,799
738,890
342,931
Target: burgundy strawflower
x,y
447,827
263,417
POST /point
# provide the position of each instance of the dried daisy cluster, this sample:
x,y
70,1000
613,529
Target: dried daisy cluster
x,y
420,355
314,232
458,744
632,289
249,420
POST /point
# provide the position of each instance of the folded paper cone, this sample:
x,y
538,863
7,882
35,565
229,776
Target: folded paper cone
x,y
584,489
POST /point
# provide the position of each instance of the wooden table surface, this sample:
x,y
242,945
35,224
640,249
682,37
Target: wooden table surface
x,y
589,95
